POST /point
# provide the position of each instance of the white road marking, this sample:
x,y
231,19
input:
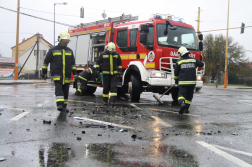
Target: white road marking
x,y
7,107
175,112
10,95
7,88
81,101
133,105
235,160
19,116
233,150
41,104
161,121
245,101
106,123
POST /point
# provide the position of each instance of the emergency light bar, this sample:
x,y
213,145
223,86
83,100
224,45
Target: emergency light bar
x,y
169,17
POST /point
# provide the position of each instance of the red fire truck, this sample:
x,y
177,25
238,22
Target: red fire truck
x,y
148,51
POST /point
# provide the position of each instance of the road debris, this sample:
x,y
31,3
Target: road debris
x,y
46,122
134,137
123,130
2,159
110,126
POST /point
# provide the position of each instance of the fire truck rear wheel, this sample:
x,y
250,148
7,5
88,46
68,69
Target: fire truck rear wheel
x,y
134,88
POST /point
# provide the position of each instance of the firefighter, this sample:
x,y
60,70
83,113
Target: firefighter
x,y
88,74
62,63
110,64
185,77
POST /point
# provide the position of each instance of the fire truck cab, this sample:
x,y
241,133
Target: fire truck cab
x,y
148,50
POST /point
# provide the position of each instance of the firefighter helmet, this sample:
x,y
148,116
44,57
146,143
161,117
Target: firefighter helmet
x,y
182,51
64,35
111,47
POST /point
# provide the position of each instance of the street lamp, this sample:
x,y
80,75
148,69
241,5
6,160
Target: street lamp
x,y
64,3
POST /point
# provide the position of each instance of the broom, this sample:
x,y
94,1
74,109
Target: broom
x,y
158,99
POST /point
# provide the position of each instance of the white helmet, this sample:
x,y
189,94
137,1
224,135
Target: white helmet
x,y
182,51
111,47
64,35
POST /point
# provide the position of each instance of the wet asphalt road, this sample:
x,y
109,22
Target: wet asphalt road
x,y
217,132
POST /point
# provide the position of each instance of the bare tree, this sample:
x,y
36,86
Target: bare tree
x,y
214,55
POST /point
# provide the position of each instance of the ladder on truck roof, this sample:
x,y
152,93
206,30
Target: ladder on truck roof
x,y
123,18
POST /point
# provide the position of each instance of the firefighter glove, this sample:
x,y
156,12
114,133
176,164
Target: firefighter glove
x,y
176,81
97,74
44,74
75,77
98,79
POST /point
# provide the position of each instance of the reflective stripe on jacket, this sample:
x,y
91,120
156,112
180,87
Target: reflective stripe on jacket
x,y
109,63
62,62
88,74
185,70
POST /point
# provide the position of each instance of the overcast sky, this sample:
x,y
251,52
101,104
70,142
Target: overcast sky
x,y
213,16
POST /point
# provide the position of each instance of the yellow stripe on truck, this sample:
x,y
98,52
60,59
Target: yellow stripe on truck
x,y
150,65
124,57
142,56
133,56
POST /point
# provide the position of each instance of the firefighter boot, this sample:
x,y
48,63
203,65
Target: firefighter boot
x,y
65,108
60,107
182,107
105,103
187,108
78,93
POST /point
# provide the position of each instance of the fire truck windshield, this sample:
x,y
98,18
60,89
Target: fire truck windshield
x,y
182,36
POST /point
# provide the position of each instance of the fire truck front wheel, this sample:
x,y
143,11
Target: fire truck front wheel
x,y
134,87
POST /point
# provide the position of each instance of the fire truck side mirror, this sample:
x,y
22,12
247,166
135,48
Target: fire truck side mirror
x,y
200,37
200,46
143,38
144,28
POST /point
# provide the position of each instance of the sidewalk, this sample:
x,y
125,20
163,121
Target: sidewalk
x,y
15,82
228,86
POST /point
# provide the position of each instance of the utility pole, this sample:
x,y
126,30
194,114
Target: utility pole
x,y
37,73
226,69
17,38
198,23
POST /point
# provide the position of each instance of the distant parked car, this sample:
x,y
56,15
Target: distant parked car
x,y
26,76
212,81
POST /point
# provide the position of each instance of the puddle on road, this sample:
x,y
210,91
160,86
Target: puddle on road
x,y
57,155
120,154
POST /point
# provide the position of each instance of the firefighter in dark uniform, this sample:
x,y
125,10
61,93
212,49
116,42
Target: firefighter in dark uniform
x,y
62,63
88,74
110,64
185,77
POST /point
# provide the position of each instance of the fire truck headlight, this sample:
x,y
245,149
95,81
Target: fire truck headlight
x,y
198,78
157,74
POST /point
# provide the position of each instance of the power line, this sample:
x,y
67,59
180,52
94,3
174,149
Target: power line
x,y
38,17
15,33
96,9
226,14
5,45
55,13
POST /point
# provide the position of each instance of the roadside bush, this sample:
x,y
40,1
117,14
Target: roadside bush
x,y
234,79
248,81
